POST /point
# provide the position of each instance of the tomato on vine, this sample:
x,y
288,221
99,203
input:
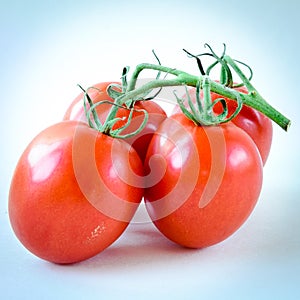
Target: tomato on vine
x,y
79,182
203,181
74,192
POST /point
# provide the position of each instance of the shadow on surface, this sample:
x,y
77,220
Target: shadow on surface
x,y
139,246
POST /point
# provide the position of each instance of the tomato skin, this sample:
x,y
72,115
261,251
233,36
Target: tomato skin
x,y
54,193
140,141
255,124
210,183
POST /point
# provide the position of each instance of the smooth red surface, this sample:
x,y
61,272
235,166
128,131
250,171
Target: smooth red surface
x,y
202,182
73,192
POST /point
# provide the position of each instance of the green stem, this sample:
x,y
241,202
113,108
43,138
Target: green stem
x,y
141,67
256,101
112,115
253,99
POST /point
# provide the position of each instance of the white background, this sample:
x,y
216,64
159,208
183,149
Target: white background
x,y
48,47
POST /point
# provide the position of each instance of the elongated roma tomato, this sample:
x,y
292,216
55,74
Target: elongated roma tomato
x,y
202,183
73,193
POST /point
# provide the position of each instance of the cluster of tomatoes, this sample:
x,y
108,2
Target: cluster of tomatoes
x,y
75,189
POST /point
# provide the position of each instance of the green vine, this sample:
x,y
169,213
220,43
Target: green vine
x,y
201,112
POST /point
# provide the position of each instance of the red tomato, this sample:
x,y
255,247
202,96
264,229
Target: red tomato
x,y
203,182
74,192
255,124
140,141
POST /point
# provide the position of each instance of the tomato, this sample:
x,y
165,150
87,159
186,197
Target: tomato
x,y
255,124
202,182
140,141
73,192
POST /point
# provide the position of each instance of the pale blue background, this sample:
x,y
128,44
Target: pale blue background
x,y
47,47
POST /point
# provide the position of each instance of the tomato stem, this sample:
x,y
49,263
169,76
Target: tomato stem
x,y
202,112
252,99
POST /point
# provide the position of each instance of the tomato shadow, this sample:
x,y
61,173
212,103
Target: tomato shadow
x,y
141,245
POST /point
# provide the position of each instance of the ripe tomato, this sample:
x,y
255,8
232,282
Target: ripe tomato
x,y
140,141
74,192
255,124
201,182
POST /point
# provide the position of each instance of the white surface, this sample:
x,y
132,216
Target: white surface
x,y
47,48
